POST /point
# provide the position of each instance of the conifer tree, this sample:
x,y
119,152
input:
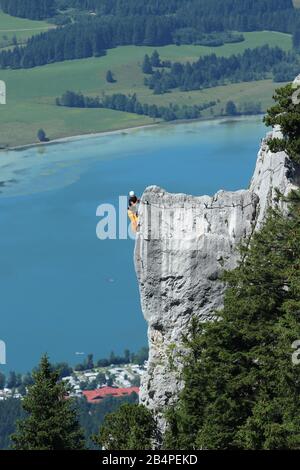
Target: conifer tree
x,y
41,134
155,59
242,388
51,422
110,77
131,427
231,109
296,39
286,114
147,67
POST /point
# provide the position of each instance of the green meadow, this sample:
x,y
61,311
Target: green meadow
x,y
31,93
20,27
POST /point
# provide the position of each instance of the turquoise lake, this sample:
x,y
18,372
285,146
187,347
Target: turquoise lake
x,y
63,290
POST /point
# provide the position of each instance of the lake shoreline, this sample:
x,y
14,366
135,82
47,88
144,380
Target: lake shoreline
x,y
50,250
79,137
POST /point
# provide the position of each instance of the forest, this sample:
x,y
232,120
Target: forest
x,y
130,104
90,416
134,22
210,71
200,8
33,9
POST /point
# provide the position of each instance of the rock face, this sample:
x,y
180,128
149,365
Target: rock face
x,y
184,244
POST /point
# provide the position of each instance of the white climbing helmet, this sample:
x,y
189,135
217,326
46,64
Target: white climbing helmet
x,y
131,193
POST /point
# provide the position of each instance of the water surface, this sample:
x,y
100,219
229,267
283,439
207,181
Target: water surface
x,y
64,291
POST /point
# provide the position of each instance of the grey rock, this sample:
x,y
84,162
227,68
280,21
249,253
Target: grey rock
x,y
183,246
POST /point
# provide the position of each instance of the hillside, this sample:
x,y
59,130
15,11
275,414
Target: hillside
x,y
17,30
93,38
32,93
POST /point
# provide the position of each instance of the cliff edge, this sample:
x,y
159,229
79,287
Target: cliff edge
x,y
184,244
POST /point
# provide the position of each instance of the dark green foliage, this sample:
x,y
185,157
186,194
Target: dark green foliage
x,y
155,59
285,71
206,16
60,20
71,99
110,77
140,357
42,135
125,8
89,362
231,109
2,381
62,368
33,9
127,356
296,39
162,7
242,389
249,108
27,379
14,380
138,22
10,411
132,427
51,422
130,104
147,66
286,114
209,71
190,35
89,37
91,416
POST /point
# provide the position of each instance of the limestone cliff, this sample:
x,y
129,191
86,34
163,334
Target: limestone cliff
x,y
184,244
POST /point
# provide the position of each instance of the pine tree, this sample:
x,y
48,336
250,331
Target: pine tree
x,y
286,114
51,422
2,381
231,109
155,59
131,427
242,389
147,67
12,380
42,135
296,39
110,77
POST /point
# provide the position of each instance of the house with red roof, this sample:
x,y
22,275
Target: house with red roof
x,y
96,396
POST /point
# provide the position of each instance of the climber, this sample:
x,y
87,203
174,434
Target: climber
x,y
133,208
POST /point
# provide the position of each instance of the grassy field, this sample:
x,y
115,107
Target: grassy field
x,y
19,27
31,93
252,40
